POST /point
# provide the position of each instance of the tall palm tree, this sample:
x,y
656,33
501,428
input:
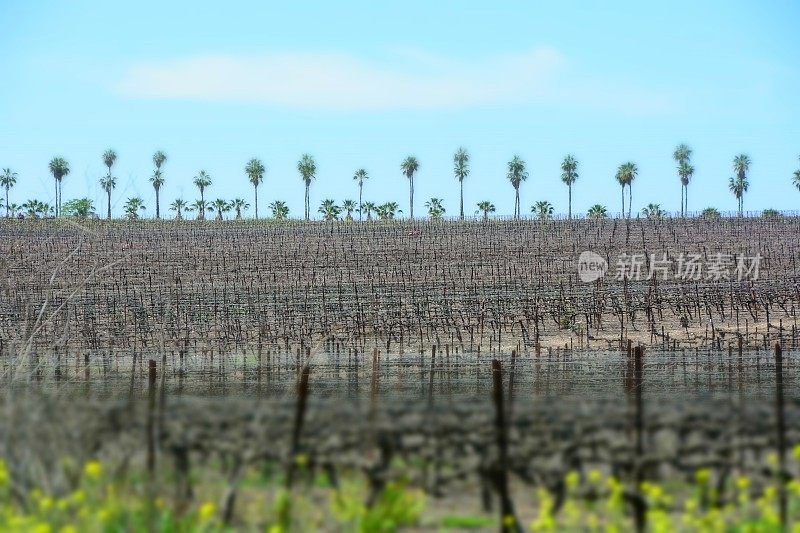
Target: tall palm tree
x,y
569,174
681,155
59,168
307,168
543,210
157,179
435,208
461,171
348,206
220,206
620,177
132,207
255,174
626,173
109,158
597,211
279,210
159,158
487,207
7,180
739,185
685,171
516,175
369,208
237,204
329,210
360,175
409,166
201,181
108,183
178,206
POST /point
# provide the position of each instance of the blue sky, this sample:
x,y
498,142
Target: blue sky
x,y
363,84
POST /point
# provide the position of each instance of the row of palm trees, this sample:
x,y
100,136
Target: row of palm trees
x,y
517,173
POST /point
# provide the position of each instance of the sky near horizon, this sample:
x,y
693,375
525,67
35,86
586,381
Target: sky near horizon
x,y
364,84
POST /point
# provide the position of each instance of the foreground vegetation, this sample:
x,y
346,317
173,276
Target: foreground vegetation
x,y
102,501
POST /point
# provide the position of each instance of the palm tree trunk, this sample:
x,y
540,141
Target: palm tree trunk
x,y
623,202
56,200
158,209
569,204
109,205
686,201
516,203
7,211
360,204
630,199
461,182
411,198
681,199
255,193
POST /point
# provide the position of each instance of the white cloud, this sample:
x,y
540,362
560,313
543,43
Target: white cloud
x,y
338,81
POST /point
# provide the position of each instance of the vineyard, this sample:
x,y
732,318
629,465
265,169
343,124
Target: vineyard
x,y
466,364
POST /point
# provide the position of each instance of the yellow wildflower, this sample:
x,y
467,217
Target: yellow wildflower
x,y
93,469
207,511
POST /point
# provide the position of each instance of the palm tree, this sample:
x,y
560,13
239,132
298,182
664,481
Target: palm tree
x,y
620,177
360,176
14,208
329,210
157,179
569,174
543,209
369,207
255,173
349,206
598,211
710,212
109,158
201,181
7,180
435,208
159,158
631,171
461,171
201,207
516,175
307,168
108,183
237,204
487,207
681,155
35,208
626,173
59,168
685,172
220,206
739,185
132,207
279,210
796,179
178,206
770,213
653,211
409,166
388,210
